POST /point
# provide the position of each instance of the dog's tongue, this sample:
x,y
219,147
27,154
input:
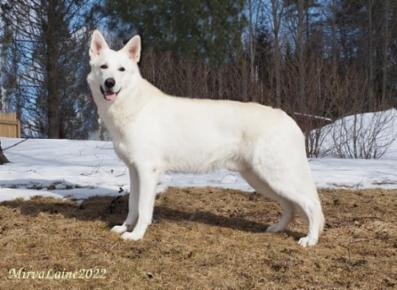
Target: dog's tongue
x,y
109,96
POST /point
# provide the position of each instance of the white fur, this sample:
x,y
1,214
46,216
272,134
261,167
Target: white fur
x,y
154,133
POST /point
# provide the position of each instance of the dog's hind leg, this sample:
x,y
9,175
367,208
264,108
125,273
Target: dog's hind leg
x,y
296,187
133,201
286,218
263,188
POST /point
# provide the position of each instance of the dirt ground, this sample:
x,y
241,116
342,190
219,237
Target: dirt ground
x,y
202,238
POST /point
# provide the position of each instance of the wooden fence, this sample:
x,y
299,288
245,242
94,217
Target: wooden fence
x,y
10,125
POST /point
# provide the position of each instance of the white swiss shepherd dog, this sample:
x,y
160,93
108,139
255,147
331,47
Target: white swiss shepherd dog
x,y
153,132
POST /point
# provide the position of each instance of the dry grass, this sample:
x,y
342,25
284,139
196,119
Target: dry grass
x,y
202,239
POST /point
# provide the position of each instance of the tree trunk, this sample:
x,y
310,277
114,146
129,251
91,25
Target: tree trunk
x,y
3,158
335,52
251,40
370,57
189,77
53,102
244,81
277,13
386,42
300,48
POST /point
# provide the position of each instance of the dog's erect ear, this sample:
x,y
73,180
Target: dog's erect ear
x,y
98,43
133,48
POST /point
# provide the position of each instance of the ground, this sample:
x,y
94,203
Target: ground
x,y
202,238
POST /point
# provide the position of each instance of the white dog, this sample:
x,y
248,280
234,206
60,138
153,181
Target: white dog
x,y
153,133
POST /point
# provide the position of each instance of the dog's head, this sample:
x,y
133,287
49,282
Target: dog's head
x,y
112,71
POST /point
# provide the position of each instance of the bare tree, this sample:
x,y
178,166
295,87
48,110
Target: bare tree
x,y
300,49
385,52
370,54
365,136
46,44
52,39
277,12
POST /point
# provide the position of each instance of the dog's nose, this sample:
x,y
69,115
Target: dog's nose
x,y
110,82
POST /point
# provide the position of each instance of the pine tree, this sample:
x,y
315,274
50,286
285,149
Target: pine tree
x,y
201,29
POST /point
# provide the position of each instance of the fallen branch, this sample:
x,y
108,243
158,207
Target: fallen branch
x,y
16,144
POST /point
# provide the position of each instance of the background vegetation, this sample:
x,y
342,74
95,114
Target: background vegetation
x,y
312,58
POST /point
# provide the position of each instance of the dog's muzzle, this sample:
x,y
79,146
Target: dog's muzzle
x,y
109,94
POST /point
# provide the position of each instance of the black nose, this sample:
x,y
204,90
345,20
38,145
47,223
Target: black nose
x,y
110,82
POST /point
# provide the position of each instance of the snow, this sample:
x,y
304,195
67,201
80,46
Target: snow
x,y
361,135
10,193
80,169
354,173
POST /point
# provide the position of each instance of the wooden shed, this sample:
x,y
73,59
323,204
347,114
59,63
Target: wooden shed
x,y
9,125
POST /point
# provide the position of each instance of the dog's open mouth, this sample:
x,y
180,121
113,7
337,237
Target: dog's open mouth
x,y
109,95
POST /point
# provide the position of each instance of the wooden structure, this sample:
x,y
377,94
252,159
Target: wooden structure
x,y
10,125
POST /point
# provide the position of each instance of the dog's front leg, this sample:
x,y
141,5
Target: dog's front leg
x,y
148,178
132,202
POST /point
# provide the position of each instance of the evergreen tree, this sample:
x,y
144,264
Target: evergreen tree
x,y
201,29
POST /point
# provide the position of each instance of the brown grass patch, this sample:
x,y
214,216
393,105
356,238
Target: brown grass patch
x,y
202,238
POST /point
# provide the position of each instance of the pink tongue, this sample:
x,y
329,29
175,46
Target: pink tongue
x,y
110,97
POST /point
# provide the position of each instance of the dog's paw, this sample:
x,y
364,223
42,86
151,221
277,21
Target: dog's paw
x,y
134,236
275,228
119,229
307,241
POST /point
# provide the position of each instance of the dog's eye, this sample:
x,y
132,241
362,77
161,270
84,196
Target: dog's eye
x,y
121,69
104,66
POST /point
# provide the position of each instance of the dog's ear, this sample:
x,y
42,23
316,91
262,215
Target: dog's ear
x,y
133,48
98,43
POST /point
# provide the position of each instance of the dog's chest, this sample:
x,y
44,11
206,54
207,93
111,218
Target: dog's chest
x,y
122,144
121,131
122,150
